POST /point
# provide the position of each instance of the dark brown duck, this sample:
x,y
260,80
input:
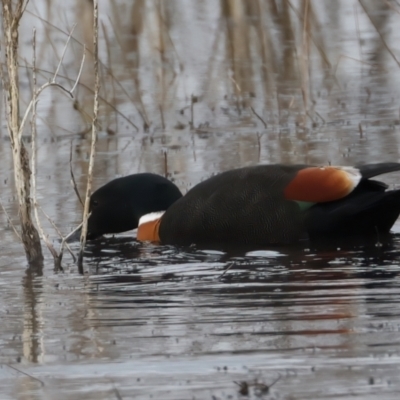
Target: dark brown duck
x,y
260,205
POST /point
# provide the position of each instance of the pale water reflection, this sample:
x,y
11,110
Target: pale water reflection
x,y
189,90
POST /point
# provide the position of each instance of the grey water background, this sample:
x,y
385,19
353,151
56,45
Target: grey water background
x,y
191,88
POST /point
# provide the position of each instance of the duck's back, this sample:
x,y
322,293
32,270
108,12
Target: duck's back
x,y
245,205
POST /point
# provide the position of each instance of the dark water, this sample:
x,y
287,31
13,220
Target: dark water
x,y
154,322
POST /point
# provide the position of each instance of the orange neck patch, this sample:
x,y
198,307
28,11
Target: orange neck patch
x,y
148,227
322,184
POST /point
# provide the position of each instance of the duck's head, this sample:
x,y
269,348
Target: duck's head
x,y
118,205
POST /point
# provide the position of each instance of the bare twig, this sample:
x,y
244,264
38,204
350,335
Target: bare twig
x,y
258,116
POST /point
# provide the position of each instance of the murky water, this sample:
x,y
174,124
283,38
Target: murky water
x,y
180,323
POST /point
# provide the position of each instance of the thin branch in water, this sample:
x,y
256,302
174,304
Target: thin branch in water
x,y
63,239
24,373
63,53
73,181
230,265
56,256
75,230
259,117
320,116
10,221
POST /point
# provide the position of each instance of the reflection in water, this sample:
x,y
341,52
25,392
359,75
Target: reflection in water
x,y
33,319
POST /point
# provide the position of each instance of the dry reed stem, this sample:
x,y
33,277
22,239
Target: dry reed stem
x,y
94,133
379,33
29,234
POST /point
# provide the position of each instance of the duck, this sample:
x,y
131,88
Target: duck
x,y
119,204
256,205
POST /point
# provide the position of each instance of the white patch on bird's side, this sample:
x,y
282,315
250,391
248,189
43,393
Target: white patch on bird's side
x,y
154,216
353,174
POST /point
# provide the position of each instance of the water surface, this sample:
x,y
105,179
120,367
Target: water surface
x,y
189,90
